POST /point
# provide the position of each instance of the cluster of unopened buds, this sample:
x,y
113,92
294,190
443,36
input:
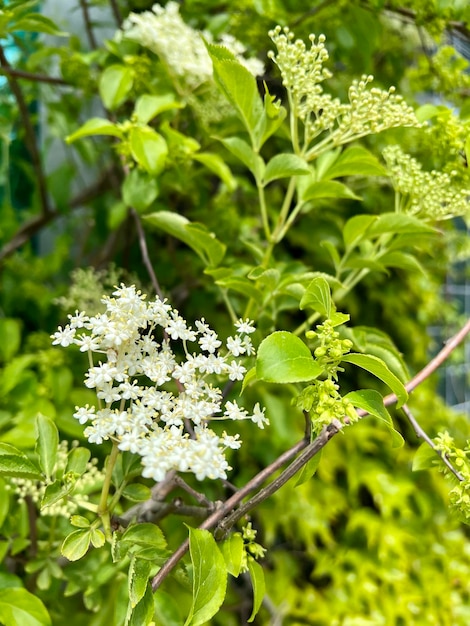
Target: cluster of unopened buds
x,y
155,396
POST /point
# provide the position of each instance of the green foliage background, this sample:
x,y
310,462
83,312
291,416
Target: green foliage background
x,y
366,541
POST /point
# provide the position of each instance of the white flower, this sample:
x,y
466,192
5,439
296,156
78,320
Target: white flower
x,y
209,342
235,345
63,336
234,412
245,327
236,371
258,416
84,414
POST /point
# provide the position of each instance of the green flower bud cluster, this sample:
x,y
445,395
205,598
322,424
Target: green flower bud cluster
x,y
460,459
325,404
302,71
251,549
430,195
68,505
331,350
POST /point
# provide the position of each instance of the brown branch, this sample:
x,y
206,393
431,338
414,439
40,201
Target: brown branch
x,y
145,253
116,12
30,136
225,510
32,226
423,435
37,78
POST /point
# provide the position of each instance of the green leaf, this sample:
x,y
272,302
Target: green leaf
x,y
259,586
394,223
309,469
139,572
139,189
209,577
148,106
241,285
327,189
318,297
272,118
378,368
143,613
284,166
196,236
284,358
47,443
217,165
10,337
96,126
250,377
232,551
79,521
402,260
77,461
16,464
239,87
143,536
115,84
356,229
18,607
467,148
425,458
97,538
137,492
355,161
245,153
55,492
4,506
148,148
76,544
371,401
38,23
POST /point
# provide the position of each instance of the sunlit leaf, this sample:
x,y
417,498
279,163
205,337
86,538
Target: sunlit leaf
x,y
284,358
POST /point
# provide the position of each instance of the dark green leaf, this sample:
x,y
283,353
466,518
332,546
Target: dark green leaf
x,y
318,297
47,443
378,368
309,469
284,358
245,153
259,586
356,229
355,161
139,572
371,401
143,613
216,164
394,223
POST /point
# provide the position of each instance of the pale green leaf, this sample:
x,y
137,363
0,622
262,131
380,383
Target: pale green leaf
x,y
284,358
16,464
371,401
398,223
148,148
425,458
139,572
271,119
241,285
47,443
143,613
79,521
115,84
355,161
327,189
232,551
245,153
96,126
38,23
259,586
137,492
10,337
309,469
318,297
97,538
379,369
284,166
77,460
356,229
209,577
149,106
19,607
76,544
402,260
55,492
196,236
217,165
139,189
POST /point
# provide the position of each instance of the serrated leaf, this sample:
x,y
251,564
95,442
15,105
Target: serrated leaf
x,y
137,492
55,492
76,544
79,521
259,586
96,126
272,118
216,164
318,297
356,229
148,148
232,551
149,106
196,236
143,536
379,369
209,577
77,460
309,469
371,401
115,84
139,189
425,458
327,189
143,613
139,572
47,443
355,161
284,358
18,465
19,607
284,166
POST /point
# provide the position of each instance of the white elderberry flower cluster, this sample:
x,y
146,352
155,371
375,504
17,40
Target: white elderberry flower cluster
x,y
70,504
303,72
430,195
163,31
156,396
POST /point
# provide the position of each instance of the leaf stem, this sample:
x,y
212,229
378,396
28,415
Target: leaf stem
x,y
103,509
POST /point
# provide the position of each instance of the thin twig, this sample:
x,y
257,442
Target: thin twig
x,y
199,497
145,253
116,12
88,24
36,78
30,135
423,435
